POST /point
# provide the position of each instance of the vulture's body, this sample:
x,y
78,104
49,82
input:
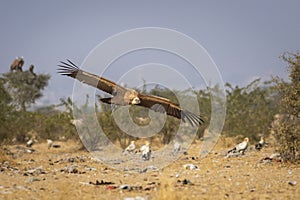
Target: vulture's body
x,y
130,147
146,151
260,144
125,96
17,64
240,148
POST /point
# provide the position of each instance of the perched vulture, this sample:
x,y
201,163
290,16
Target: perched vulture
x,y
260,144
240,148
31,67
17,64
126,96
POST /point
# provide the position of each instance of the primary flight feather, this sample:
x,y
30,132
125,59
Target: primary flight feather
x,y
126,96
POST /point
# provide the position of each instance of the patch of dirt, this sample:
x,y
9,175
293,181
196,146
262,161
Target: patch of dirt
x,y
70,173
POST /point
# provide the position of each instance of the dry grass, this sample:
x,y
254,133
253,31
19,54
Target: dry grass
x,y
218,178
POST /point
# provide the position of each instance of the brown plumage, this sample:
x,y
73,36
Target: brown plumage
x,y
125,96
17,64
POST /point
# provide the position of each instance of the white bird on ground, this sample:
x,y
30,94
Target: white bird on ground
x,y
146,151
240,148
30,142
130,147
177,147
260,144
49,143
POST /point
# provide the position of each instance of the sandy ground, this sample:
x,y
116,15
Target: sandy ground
x,y
70,173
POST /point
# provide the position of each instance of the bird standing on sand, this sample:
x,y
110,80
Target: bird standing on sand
x,y
260,144
49,143
29,143
177,147
130,147
240,148
146,151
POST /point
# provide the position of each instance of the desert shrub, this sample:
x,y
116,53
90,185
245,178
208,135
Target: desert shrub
x,y
286,126
250,110
24,88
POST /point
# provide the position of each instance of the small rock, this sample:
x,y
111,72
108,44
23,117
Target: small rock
x,y
111,187
135,198
185,182
102,182
32,179
292,183
125,187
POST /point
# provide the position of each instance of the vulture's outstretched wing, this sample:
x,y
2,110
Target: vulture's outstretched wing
x,y
70,69
158,104
163,105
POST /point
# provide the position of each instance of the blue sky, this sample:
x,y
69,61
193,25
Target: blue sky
x,y
244,38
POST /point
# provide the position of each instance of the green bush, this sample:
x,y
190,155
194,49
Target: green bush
x,y
286,126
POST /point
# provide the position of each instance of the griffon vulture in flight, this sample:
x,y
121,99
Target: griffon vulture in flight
x,y
126,96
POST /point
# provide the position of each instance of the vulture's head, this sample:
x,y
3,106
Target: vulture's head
x,y
135,101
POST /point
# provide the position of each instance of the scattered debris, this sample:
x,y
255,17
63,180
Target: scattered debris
x,y
32,179
190,166
185,182
56,146
274,157
71,169
136,198
7,166
111,187
151,167
130,187
233,154
101,183
35,171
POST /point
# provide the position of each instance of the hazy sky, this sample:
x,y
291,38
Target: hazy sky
x,y
244,38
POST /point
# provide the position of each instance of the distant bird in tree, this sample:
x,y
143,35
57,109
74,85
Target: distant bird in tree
x,y
124,96
31,67
130,148
17,64
240,148
260,144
